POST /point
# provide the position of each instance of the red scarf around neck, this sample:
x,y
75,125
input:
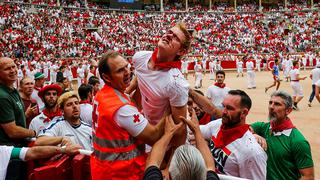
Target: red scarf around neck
x,y
85,102
220,85
226,136
37,88
286,124
51,115
164,65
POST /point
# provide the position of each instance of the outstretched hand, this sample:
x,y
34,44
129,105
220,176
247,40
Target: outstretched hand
x,y
193,123
170,127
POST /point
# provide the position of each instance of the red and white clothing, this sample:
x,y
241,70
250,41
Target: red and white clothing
x,y
295,84
243,157
217,94
198,74
35,96
251,76
40,122
159,89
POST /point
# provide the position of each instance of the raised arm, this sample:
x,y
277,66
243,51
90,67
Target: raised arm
x,y
205,104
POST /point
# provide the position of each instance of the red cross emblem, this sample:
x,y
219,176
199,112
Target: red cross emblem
x,y
136,118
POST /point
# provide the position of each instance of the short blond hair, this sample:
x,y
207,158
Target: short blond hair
x,y
65,96
187,43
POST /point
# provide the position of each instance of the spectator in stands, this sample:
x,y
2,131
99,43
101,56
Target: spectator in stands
x,y
8,153
85,92
66,86
67,129
117,123
187,161
31,108
60,74
49,95
39,83
289,153
13,121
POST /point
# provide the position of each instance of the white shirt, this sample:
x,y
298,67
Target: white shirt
x,y
315,75
239,64
80,72
243,157
217,95
250,66
86,113
81,134
293,74
129,118
5,155
160,88
211,65
184,65
37,123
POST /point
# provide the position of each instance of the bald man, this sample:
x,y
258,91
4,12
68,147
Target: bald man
x,y
13,121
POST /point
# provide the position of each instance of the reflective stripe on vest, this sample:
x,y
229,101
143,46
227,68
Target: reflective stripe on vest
x,y
115,143
120,156
118,93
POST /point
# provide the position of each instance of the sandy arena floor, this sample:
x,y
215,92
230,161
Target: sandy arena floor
x,y
307,119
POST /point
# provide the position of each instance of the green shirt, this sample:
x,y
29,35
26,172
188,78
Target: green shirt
x,y
11,109
286,154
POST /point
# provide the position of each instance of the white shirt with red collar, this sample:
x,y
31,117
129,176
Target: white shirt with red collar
x,y
160,88
243,157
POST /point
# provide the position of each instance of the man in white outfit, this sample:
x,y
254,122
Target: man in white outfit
x,y
251,76
160,81
198,75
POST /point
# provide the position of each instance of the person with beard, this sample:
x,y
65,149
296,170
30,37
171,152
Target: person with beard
x,y
68,128
30,105
233,146
49,95
289,153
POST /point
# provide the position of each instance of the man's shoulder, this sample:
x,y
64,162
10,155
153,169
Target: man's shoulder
x,y
297,136
140,57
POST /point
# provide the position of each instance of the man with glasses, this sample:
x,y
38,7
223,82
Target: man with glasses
x,y
49,95
160,81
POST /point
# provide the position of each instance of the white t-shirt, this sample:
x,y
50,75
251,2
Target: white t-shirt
x,y
159,89
184,65
211,65
243,157
81,134
250,66
315,75
5,153
293,74
37,123
86,113
129,118
239,64
217,95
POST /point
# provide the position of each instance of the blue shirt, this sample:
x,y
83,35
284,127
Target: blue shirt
x,y
276,70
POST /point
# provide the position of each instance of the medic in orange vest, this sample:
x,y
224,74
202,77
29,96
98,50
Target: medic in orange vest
x,y
119,130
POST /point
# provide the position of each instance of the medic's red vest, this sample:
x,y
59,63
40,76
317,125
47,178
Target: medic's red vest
x,y
117,154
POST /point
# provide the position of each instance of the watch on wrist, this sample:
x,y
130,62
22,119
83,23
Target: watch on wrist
x,y
63,149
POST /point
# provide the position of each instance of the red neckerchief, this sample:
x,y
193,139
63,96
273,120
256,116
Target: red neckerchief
x,y
220,85
295,67
85,102
37,88
51,115
205,119
164,65
286,124
226,136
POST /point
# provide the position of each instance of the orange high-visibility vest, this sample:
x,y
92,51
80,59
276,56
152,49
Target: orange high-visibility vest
x,y
117,154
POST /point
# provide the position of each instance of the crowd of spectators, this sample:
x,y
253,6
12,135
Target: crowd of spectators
x,y
48,32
